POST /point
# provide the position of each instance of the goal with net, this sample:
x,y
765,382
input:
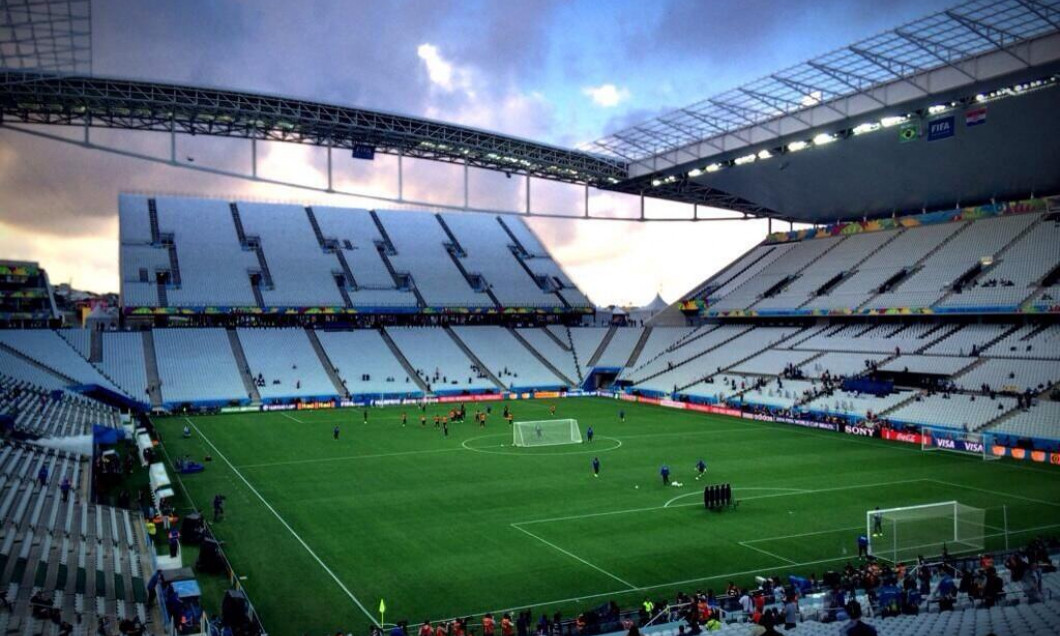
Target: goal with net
x,y
948,439
902,534
546,433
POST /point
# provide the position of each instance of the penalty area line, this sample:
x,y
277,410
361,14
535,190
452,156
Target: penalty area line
x,y
574,556
279,518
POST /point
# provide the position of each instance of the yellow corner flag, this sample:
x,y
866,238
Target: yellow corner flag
x,y
382,611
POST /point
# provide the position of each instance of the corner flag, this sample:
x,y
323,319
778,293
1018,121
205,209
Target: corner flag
x,y
382,610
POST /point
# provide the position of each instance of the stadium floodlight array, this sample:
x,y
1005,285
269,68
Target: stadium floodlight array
x,y
903,534
957,441
546,433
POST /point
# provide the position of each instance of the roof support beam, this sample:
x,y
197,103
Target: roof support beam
x,y
808,90
991,34
849,80
1048,14
903,72
933,49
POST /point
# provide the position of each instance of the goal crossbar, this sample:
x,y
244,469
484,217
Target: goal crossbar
x,y
546,433
902,534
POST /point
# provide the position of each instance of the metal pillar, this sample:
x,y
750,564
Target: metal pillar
x,y
586,200
172,141
254,158
467,196
528,194
769,225
695,211
329,167
641,206
401,176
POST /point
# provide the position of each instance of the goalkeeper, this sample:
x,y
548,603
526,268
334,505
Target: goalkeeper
x,y
877,522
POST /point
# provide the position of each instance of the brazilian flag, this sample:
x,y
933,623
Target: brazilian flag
x,y
908,132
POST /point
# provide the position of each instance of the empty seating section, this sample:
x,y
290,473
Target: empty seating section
x,y
284,364
927,365
719,387
485,244
356,236
798,256
617,353
837,261
744,269
438,360
365,363
1029,341
541,263
47,348
688,349
1011,376
1041,421
559,357
79,339
936,275
884,338
140,265
841,365
37,412
907,248
123,362
302,273
20,369
93,559
773,361
586,341
509,360
420,243
1011,279
197,365
213,265
958,411
660,341
723,347
962,341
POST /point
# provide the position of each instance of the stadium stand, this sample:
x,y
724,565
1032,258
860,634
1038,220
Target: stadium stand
x,y
26,295
552,349
1041,420
438,360
48,349
508,359
619,347
197,366
968,412
284,365
366,364
123,362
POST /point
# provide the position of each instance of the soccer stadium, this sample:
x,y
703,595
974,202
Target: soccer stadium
x,y
405,402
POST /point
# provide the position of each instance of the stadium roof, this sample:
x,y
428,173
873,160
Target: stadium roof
x,y
942,39
46,35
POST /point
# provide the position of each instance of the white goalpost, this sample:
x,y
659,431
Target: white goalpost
x,y
902,534
955,441
546,433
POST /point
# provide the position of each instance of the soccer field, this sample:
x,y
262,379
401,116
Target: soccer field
x,y
441,527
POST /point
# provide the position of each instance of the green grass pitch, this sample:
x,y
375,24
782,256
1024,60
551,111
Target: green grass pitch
x,y
442,527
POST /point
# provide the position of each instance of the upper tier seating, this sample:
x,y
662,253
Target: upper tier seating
x,y
509,360
883,338
801,255
206,253
1029,341
284,364
928,365
365,363
773,361
967,338
934,277
197,365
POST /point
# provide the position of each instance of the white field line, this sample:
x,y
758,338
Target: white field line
x,y
663,507
996,492
291,417
574,556
295,462
747,545
738,489
279,518
804,534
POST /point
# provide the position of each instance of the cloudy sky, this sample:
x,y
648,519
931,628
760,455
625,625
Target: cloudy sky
x,y
560,72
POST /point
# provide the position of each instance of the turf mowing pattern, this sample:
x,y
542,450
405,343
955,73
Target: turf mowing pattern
x,y
442,527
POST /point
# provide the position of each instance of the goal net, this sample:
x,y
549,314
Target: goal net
x,y
902,534
947,439
546,433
